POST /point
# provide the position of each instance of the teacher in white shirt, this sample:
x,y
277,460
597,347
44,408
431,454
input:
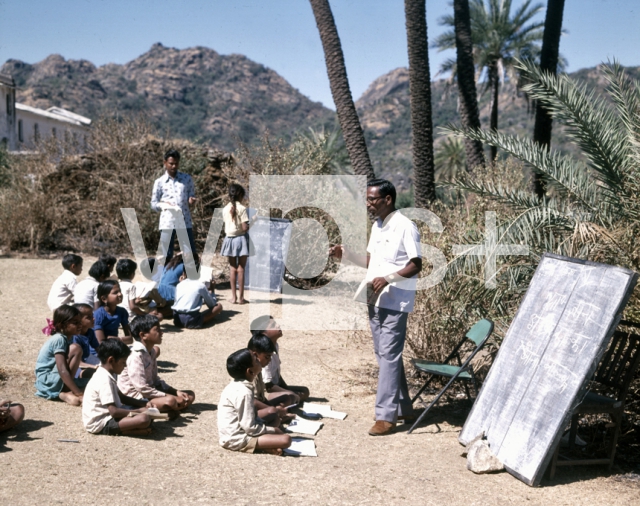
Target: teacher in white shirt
x,y
393,261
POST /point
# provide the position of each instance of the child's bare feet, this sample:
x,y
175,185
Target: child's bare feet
x,y
234,301
70,398
272,451
243,301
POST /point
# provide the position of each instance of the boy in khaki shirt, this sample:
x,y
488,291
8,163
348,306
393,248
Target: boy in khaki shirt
x,y
238,427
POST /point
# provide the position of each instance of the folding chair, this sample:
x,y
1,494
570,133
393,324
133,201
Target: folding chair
x,y
478,334
615,373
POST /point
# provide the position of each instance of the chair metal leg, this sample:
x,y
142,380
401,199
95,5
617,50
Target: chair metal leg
x,y
421,390
573,432
433,402
617,419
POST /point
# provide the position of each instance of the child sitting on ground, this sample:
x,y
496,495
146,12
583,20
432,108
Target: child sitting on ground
x,y
238,428
273,380
102,408
131,301
140,378
87,340
86,291
190,295
110,260
59,360
62,289
109,316
263,348
11,414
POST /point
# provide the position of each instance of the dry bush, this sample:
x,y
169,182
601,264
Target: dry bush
x,y
63,199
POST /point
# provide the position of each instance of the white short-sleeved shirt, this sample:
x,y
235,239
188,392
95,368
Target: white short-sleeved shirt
x,y
86,292
271,373
175,191
233,227
101,391
62,290
128,290
390,248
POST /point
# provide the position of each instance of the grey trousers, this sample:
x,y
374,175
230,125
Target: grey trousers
x,y
389,329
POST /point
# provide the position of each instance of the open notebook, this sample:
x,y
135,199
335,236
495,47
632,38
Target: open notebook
x,y
322,409
302,426
301,447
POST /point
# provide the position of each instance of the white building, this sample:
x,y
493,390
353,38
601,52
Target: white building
x,y
23,126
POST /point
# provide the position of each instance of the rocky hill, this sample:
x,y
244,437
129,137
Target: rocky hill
x,y
386,117
194,93
199,94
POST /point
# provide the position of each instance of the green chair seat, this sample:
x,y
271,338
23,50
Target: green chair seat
x,y
441,369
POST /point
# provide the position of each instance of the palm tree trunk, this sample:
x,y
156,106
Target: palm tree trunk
x,y
495,88
549,62
466,81
420,94
342,98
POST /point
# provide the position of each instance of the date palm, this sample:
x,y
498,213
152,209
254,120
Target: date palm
x,y
549,57
499,38
340,90
420,97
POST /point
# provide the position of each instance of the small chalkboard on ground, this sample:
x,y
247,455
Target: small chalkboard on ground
x,y
550,352
269,238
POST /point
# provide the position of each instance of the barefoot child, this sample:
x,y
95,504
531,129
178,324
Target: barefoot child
x,y
102,408
87,340
271,375
11,414
59,360
236,243
62,289
85,292
137,297
140,378
109,316
191,294
238,427
263,348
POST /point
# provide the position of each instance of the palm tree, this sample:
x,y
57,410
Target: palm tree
x,y
549,56
594,209
450,159
420,96
466,81
342,98
499,38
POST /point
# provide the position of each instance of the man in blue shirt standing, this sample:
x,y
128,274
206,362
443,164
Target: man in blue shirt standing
x,y
171,192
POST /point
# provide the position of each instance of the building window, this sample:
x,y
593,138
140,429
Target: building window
x,y
36,132
9,104
20,133
54,133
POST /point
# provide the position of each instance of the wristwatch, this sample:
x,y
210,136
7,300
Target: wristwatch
x,y
390,278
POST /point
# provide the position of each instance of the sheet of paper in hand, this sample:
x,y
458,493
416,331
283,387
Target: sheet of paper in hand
x,y
301,447
551,350
309,408
302,426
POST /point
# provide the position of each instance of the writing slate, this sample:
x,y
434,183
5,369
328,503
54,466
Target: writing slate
x,y
551,350
269,238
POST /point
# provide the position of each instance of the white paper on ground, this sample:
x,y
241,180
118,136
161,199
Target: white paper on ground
x,y
302,426
301,447
155,414
322,409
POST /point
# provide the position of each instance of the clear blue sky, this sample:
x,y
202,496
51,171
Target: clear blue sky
x,y
280,34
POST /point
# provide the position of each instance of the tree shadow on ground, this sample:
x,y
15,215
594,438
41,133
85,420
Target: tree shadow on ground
x,y
20,433
225,316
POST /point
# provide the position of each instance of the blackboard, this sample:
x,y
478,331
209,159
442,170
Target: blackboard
x,y
269,238
551,350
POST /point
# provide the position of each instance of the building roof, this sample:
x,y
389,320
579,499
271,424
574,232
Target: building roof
x,y
69,117
7,80
68,114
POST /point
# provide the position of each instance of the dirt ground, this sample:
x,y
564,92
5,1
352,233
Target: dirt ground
x,y
182,462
